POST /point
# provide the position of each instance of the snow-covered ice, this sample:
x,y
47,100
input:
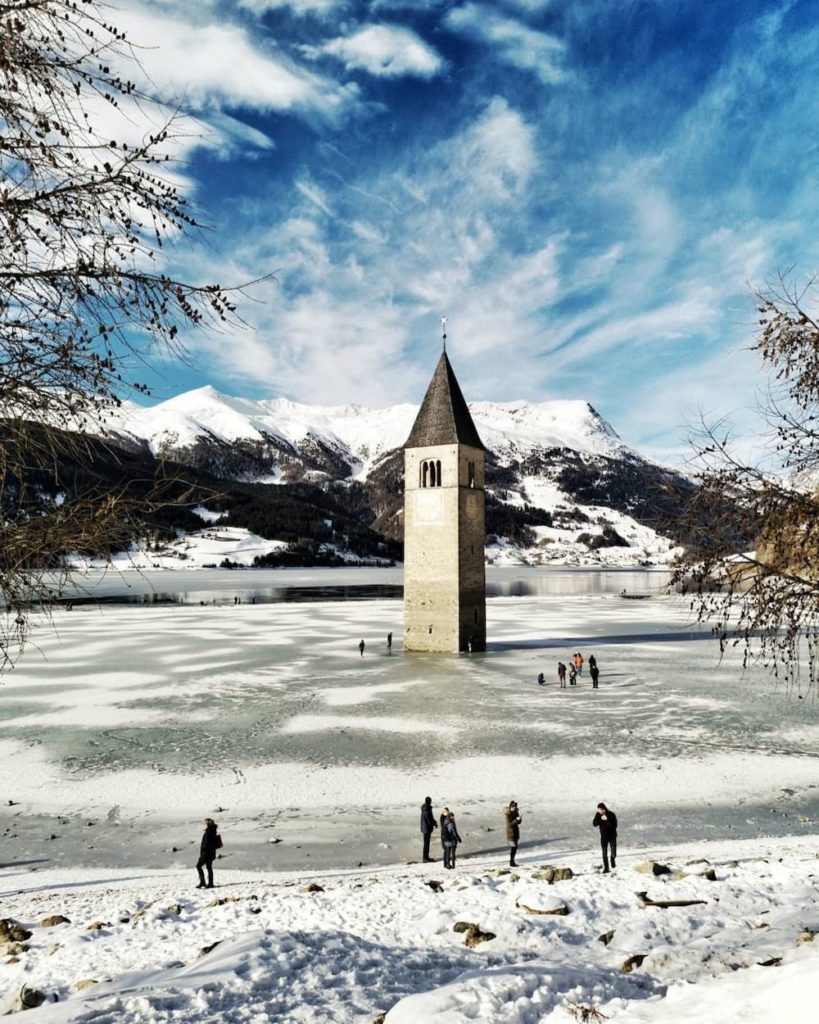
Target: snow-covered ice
x,y
144,718
123,726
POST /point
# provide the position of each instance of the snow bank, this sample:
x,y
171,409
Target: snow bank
x,y
146,947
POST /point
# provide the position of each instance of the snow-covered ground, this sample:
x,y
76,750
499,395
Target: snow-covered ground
x,y
123,726
208,547
146,947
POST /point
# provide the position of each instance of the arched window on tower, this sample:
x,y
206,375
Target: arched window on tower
x,y
431,473
470,474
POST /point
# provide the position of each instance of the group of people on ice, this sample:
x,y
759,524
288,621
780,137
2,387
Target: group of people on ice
x,y
604,819
576,663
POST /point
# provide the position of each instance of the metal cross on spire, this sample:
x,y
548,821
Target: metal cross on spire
x,y
443,325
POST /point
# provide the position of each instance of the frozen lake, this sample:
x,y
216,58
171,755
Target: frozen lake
x,y
141,720
262,586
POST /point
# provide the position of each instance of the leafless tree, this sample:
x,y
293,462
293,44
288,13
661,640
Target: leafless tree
x,y
751,565
88,198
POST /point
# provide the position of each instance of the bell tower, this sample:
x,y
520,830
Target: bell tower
x,y
444,523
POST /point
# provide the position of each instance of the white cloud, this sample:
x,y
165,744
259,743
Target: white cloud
x,y
315,196
298,7
341,310
205,64
385,50
511,41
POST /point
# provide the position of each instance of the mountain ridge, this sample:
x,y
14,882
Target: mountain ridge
x,y
562,486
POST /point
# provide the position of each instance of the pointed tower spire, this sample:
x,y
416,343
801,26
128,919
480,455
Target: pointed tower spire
x,y
444,416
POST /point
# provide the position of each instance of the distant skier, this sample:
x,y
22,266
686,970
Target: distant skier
x,y
428,825
572,674
389,641
361,647
606,821
561,674
211,842
541,679
513,820
449,837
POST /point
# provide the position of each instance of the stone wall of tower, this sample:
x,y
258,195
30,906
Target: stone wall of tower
x,y
471,545
444,536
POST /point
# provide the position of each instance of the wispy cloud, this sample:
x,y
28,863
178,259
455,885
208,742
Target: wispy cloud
x,y
298,7
511,40
385,50
587,213
204,62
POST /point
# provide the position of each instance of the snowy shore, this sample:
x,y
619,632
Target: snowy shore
x,y
145,947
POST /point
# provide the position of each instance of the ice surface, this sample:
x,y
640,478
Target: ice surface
x,y
142,719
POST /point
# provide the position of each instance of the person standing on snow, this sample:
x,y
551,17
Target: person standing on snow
x,y
513,820
578,660
211,842
389,641
606,821
449,837
428,825
361,646
572,674
561,674
594,672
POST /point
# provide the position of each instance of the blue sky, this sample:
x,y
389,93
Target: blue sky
x,y
586,188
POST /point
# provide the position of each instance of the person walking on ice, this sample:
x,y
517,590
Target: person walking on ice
x,y
389,642
361,646
594,671
513,820
561,674
428,825
606,821
211,842
572,674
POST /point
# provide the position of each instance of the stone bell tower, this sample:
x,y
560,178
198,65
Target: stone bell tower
x,y
444,523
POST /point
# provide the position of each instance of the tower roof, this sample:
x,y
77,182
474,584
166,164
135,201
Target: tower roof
x,y
444,415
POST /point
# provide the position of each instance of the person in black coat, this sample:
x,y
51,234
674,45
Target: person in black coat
x,y
211,841
606,821
449,837
428,826
512,820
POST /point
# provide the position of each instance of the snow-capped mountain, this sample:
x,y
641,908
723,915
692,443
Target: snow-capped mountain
x,y
562,486
360,435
